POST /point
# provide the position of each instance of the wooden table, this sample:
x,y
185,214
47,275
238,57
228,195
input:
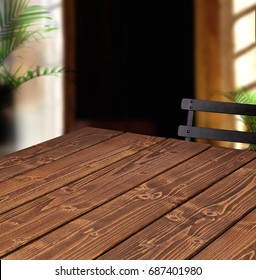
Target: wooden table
x,y
104,194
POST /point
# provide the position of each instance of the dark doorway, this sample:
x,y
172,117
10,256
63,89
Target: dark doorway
x,y
134,61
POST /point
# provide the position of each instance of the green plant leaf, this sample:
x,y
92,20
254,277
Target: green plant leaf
x,y
22,24
246,96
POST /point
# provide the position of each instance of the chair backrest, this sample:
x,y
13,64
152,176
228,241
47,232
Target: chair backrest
x,y
190,131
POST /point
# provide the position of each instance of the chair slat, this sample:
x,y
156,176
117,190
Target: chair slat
x,y
190,130
218,107
217,134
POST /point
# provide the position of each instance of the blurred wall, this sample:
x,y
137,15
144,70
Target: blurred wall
x,y
225,54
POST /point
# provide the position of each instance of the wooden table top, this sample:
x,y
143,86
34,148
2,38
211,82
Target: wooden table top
x,y
103,194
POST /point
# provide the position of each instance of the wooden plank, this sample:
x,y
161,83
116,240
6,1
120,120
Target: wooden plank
x,y
46,213
53,175
43,153
186,230
238,243
103,228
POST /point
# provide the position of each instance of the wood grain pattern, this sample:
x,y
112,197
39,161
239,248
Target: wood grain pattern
x,y
104,194
237,243
48,151
189,228
99,230
55,174
60,206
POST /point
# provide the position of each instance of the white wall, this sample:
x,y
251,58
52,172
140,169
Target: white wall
x,y
39,104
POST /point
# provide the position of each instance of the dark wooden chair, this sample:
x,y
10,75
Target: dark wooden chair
x,y
191,131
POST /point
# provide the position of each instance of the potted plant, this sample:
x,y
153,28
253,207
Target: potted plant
x,y
21,26
247,96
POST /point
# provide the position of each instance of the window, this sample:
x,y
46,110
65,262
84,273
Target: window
x,y
244,51
39,106
225,53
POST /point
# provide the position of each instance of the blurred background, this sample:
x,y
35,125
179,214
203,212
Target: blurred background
x,y
131,62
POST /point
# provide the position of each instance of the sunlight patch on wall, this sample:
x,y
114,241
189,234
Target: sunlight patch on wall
x,y
244,47
244,42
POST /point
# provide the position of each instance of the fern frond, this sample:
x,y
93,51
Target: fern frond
x,y
20,22
15,79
